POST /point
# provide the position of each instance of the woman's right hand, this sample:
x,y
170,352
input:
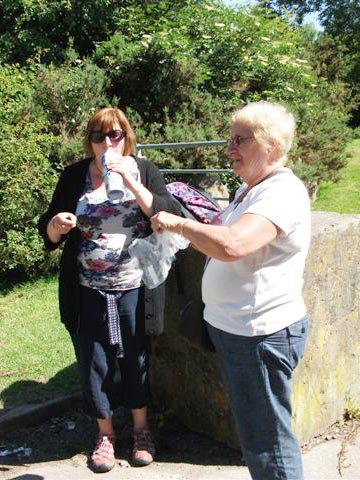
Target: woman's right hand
x,y
60,224
166,221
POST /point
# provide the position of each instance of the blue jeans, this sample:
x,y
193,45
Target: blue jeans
x,y
257,374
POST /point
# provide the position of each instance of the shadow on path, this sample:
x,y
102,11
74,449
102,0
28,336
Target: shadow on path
x,y
73,434
28,477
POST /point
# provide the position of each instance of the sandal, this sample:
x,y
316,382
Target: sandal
x,y
144,447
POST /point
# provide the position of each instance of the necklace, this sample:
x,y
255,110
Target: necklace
x,y
97,168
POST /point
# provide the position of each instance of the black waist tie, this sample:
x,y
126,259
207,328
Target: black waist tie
x,y
114,322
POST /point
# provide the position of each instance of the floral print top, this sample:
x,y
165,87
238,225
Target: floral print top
x,y
107,230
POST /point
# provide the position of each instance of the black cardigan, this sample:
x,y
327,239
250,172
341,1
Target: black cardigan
x,y
68,190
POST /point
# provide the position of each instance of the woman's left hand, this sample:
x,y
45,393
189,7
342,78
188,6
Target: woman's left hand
x,y
166,221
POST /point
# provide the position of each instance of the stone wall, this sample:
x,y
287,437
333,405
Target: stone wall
x,y
187,382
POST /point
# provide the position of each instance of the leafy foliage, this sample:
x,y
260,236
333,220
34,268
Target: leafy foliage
x,y
341,21
42,124
178,69
26,184
44,29
67,95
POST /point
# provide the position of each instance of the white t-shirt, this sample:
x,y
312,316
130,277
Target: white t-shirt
x,y
262,293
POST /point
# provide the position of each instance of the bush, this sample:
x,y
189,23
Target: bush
x,y
68,96
44,29
26,185
183,80
41,131
178,69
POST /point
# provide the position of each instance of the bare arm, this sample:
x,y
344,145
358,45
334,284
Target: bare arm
x,y
227,243
143,196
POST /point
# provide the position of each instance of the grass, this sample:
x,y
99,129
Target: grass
x,y
36,354
343,196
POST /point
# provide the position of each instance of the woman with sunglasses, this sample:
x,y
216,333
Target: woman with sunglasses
x,y
102,301
252,283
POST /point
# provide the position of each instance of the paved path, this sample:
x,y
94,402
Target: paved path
x,y
182,455
320,463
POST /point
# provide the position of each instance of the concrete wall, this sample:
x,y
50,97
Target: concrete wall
x,y
187,382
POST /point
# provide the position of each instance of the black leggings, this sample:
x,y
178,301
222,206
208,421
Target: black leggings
x,y
107,381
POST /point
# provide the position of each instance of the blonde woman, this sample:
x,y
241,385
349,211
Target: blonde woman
x,y
251,287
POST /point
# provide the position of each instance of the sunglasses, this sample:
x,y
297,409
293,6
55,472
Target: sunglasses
x,y
97,136
238,140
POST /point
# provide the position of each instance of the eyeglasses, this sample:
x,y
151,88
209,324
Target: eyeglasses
x,y
97,136
238,140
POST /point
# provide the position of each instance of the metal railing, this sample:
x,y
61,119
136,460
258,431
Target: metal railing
x,y
186,171
172,146
210,143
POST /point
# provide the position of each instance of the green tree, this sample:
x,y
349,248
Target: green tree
x,y
178,68
168,74
44,29
341,21
25,178
42,122
339,17
67,95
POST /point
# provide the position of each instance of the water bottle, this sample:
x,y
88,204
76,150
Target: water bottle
x,y
115,188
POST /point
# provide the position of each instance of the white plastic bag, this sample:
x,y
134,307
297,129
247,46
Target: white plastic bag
x,y
155,255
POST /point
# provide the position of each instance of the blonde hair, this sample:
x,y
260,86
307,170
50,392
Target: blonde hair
x,y
268,122
104,119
